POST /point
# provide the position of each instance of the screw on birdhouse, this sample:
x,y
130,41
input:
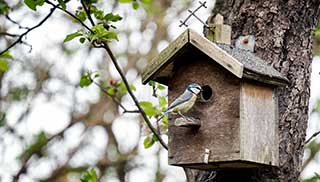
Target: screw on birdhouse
x,y
193,13
206,156
246,42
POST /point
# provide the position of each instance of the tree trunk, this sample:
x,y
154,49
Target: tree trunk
x,y
283,32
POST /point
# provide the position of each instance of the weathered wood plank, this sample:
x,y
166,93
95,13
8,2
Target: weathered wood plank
x,y
216,53
258,124
156,64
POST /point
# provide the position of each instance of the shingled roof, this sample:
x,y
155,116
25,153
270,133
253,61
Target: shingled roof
x,y
241,63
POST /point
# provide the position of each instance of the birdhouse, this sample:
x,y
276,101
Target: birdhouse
x,y
235,119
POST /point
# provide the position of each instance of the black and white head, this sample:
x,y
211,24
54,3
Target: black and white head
x,y
194,88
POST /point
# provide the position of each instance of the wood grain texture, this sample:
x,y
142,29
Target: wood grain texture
x,y
217,54
158,62
258,124
219,116
284,39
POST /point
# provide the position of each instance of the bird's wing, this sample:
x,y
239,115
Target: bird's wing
x,y
181,99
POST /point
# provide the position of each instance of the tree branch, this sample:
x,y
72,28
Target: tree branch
x,y
70,14
114,61
24,166
16,23
8,34
135,100
19,40
114,99
87,12
311,137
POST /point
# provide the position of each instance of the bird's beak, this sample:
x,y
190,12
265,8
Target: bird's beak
x,y
201,89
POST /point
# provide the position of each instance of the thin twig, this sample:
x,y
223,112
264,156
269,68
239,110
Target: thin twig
x,y
24,166
8,34
125,81
87,12
16,23
312,136
114,61
114,99
19,40
70,14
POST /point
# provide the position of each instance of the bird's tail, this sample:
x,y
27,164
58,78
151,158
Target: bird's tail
x,y
165,113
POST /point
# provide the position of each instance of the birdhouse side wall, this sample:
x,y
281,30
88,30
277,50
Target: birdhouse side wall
x,y
219,116
259,123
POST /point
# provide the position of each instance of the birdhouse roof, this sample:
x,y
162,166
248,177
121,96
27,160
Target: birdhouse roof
x,y
241,63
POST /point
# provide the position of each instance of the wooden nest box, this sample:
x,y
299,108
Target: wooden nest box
x,y
237,109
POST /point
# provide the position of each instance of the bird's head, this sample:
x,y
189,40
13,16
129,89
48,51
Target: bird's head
x,y
194,88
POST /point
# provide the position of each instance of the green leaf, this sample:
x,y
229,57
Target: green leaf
x,y
85,80
151,83
162,101
2,118
148,141
161,87
36,146
4,8
81,15
82,39
89,176
62,4
18,93
111,35
145,104
32,4
133,88
125,1
112,17
73,35
165,121
3,65
149,109
90,1
147,2
98,14
6,55
135,5
110,91
102,34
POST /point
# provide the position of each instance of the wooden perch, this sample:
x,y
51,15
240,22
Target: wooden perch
x,y
187,122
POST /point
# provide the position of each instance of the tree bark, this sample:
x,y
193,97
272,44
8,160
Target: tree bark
x,y
284,38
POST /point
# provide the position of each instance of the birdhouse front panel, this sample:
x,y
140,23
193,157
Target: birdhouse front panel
x,y
218,113
234,122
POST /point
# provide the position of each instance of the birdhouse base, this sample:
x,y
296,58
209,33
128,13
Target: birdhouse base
x,y
238,164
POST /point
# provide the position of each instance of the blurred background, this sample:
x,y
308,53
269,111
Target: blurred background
x,y
51,129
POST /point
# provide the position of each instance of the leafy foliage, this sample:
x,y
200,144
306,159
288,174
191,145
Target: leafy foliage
x,y
89,176
2,118
100,33
62,4
73,35
149,141
4,8
19,93
85,80
135,3
315,178
4,66
36,146
112,17
32,4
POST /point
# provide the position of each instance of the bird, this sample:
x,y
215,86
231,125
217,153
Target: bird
x,y
184,102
